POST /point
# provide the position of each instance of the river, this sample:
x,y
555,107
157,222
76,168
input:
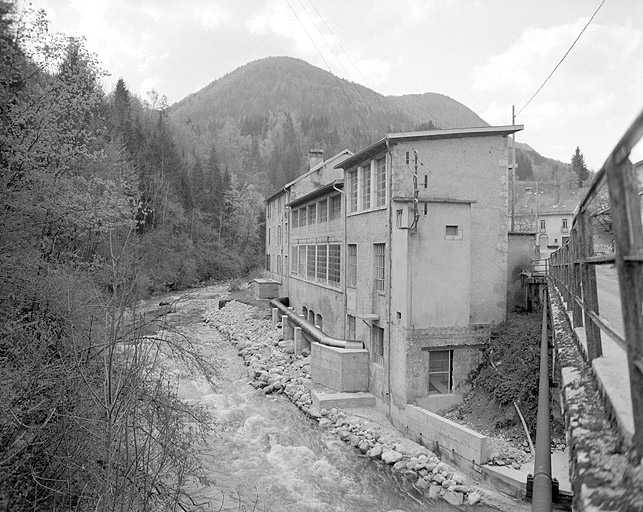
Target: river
x,y
266,455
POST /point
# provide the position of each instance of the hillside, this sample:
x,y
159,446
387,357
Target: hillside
x,y
263,117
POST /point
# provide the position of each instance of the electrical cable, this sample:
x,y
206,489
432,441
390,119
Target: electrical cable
x,y
329,68
377,96
561,60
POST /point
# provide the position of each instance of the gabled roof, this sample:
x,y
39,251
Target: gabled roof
x,y
452,133
318,192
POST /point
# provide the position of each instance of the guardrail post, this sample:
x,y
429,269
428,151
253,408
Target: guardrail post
x,y
628,240
286,329
568,276
590,293
577,311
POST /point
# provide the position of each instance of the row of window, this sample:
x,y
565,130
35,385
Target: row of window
x,y
328,209
320,263
543,225
367,186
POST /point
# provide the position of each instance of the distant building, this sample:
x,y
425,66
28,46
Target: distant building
x,y
404,247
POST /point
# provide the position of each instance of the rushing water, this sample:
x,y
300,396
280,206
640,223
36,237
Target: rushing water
x,y
268,456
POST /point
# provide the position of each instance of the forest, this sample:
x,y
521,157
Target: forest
x,y
100,206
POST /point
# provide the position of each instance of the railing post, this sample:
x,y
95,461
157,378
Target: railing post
x,y
628,239
590,293
568,276
577,311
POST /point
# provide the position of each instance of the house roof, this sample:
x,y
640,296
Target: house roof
x,y
452,133
318,192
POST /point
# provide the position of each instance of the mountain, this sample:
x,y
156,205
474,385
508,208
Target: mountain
x,y
263,118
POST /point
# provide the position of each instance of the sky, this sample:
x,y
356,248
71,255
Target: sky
x,y
489,55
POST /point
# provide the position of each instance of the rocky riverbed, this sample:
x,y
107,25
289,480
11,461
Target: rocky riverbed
x,y
273,367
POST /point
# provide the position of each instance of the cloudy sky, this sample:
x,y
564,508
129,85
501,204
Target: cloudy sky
x,y
486,54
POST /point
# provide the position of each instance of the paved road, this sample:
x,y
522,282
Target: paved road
x,y
609,298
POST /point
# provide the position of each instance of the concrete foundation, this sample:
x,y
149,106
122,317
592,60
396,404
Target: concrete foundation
x,y
266,288
344,370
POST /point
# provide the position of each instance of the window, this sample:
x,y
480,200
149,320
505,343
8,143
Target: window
x,y
378,255
302,260
377,345
440,371
322,266
380,182
278,263
304,312
312,214
269,231
451,231
335,207
366,187
334,264
302,216
311,316
542,225
294,218
565,228
351,271
294,258
323,210
319,321
352,190
267,261
350,327
278,235
310,263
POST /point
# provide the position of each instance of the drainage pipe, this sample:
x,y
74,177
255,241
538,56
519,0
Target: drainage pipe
x,y
542,464
311,331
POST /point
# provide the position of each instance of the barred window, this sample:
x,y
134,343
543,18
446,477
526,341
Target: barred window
x,y
366,187
334,264
267,261
294,259
294,218
379,262
351,271
352,191
312,214
335,207
322,264
323,210
440,376
310,263
380,184
302,260
350,327
302,216
377,345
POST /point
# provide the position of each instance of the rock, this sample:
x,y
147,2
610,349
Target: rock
x,y
364,446
435,491
376,451
454,498
411,475
474,498
448,483
464,489
400,465
355,440
344,435
438,479
442,467
515,465
391,457
325,423
458,478
422,484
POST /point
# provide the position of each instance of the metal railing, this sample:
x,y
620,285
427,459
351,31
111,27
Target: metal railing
x,y
573,267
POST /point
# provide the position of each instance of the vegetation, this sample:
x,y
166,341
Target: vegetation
x,y
580,170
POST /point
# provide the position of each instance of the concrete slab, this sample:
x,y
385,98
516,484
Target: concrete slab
x,y
325,398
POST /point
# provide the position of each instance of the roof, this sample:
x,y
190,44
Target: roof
x,y
452,133
318,192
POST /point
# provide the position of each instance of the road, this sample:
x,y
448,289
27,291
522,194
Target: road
x,y
609,298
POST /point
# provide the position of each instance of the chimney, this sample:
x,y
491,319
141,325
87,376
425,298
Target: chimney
x,y
316,157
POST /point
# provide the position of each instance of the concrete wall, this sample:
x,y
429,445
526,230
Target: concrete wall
x,y
325,301
339,369
521,251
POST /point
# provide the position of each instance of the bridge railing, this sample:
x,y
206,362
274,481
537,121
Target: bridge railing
x,y
612,203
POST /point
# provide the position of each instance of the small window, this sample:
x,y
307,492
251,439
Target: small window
x,y
350,327
379,263
319,321
440,379
335,207
542,225
451,231
268,262
564,223
311,316
351,272
377,345
304,312
323,210
312,214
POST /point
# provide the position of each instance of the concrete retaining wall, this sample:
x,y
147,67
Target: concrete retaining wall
x,y
340,369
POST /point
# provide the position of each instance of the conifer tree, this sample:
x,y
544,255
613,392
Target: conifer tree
x,y
579,168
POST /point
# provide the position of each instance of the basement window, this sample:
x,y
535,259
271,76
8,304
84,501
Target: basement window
x,y
452,232
440,378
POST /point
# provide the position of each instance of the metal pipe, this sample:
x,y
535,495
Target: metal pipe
x,y
542,464
313,332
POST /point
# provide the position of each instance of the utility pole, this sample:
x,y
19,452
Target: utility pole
x,y
513,170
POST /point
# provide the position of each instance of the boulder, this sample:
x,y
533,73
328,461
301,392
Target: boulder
x,y
454,498
391,457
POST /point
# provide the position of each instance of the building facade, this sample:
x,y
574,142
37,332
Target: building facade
x,y
404,247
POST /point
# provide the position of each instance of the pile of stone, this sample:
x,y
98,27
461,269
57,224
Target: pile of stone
x,y
274,368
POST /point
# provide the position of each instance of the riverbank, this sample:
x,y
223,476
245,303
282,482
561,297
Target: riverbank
x,y
273,367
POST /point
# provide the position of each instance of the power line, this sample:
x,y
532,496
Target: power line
x,y
329,68
561,60
377,96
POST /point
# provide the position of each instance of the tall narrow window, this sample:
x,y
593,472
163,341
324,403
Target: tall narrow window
x,y
323,210
322,264
294,259
542,225
319,321
267,261
278,235
352,191
302,261
366,187
351,271
278,263
310,262
440,371
312,214
350,327
380,184
564,225
334,264
335,207
294,218
302,216
377,345
379,262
